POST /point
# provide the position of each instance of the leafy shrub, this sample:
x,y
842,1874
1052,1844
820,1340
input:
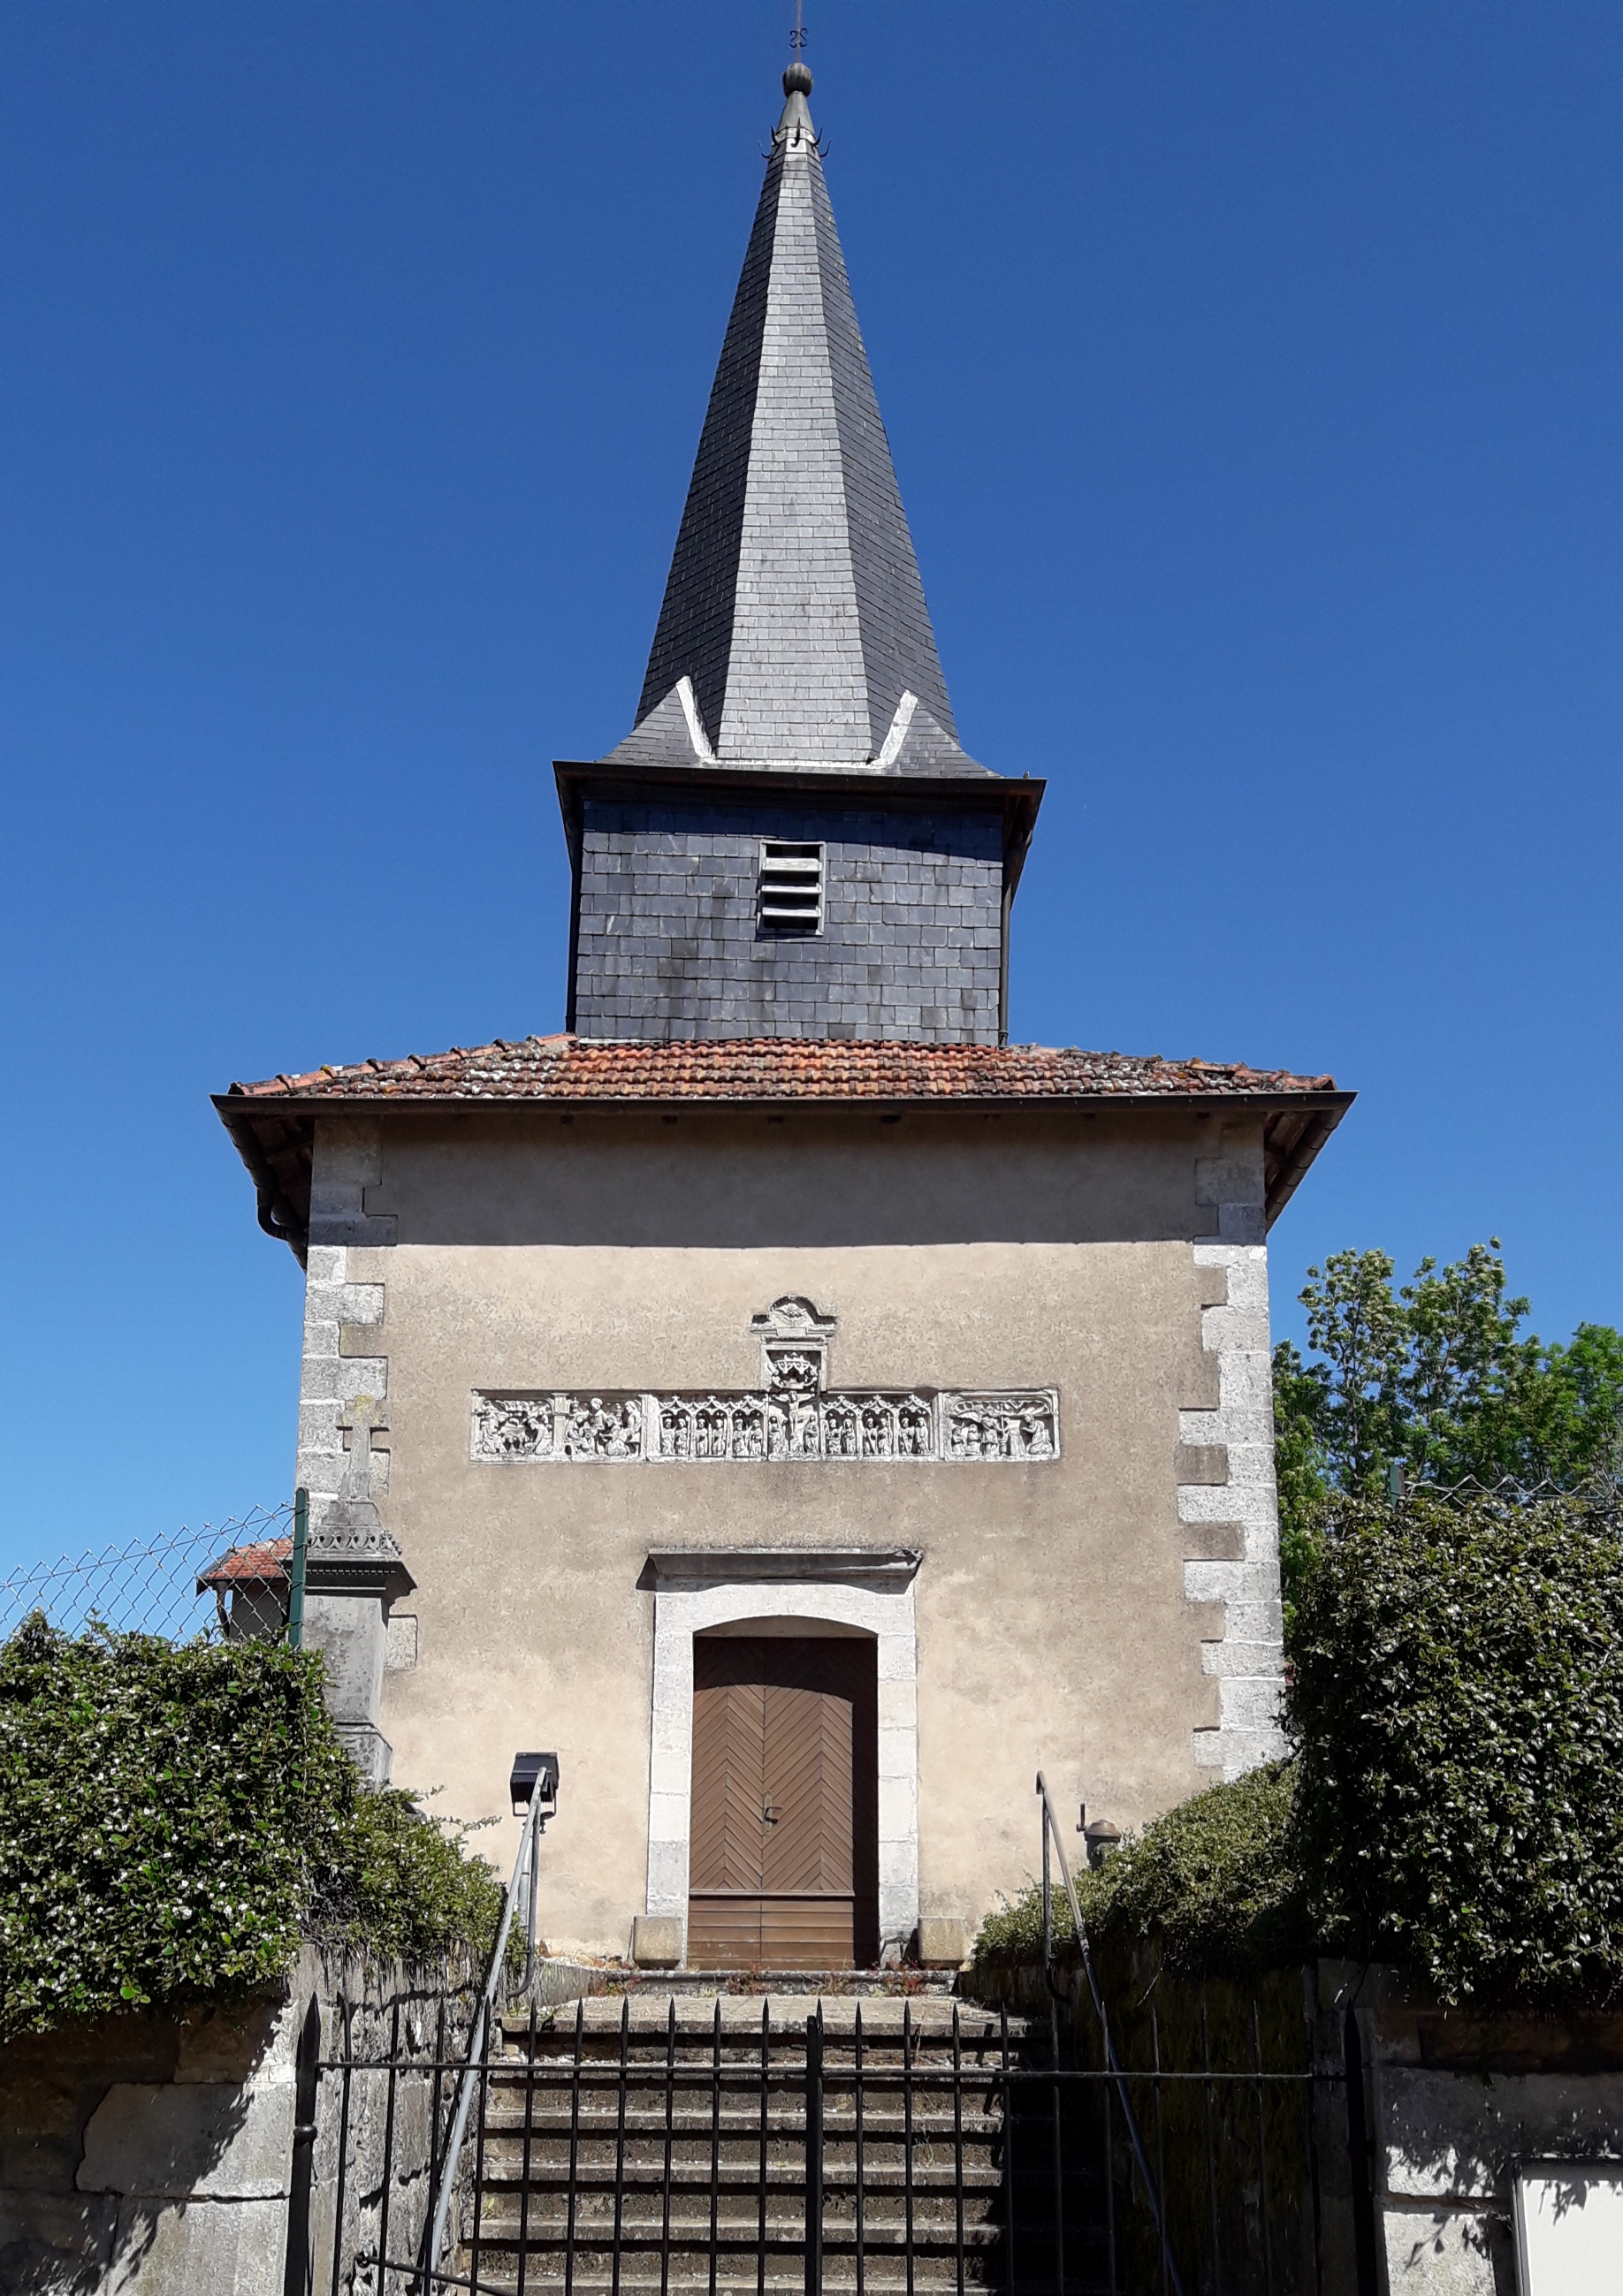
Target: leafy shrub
x,y
404,1887
175,1822
1214,1881
1458,1702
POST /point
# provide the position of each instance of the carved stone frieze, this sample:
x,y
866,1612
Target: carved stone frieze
x,y
793,1414
786,1421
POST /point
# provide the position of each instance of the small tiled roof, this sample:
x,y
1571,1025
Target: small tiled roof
x,y
758,1069
248,1566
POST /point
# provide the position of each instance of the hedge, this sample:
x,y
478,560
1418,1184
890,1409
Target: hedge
x,y
1455,1802
1458,1702
175,1822
1215,1880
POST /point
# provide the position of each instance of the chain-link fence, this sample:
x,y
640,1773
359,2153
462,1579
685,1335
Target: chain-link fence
x,y
222,1579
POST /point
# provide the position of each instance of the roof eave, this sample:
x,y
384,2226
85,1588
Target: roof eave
x,y
1296,1126
1016,797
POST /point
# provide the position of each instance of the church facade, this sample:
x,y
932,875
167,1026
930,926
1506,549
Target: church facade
x,y
808,1412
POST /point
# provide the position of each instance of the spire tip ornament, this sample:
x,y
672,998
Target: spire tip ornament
x,y
797,79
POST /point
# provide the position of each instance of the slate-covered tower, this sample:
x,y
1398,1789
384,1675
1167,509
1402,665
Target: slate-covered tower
x,y
791,842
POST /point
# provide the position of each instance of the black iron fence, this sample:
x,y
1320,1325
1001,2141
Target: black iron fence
x,y
869,2146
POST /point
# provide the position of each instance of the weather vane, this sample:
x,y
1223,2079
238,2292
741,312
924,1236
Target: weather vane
x,y
797,38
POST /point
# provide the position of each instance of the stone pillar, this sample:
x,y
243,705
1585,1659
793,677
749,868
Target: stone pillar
x,y
354,1572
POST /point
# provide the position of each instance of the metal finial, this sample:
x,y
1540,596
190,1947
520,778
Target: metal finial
x,y
797,79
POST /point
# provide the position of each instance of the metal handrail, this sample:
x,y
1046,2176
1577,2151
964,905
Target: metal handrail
x,y
1113,2069
434,2241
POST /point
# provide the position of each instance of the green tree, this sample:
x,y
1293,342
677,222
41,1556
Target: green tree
x,y
1363,1333
1436,1380
1461,1391
1301,1464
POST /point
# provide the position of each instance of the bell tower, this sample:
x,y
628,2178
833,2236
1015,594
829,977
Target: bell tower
x,y
791,841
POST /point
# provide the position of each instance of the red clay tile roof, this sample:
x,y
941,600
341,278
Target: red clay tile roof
x,y
776,1068
242,1566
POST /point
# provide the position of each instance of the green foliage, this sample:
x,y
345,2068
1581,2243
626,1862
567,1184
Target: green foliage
x,y
175,1822
1300,1466
1437,1378
404,1887
1214,1881
1357,1326
1458,1702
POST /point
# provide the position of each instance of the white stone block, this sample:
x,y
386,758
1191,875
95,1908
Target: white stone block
x,y
235,2246
1253,1704
668,1816
898,1863
1437,2253
363,1375
1205,1503
1207,1581
898,1657
670,1770
899,1705
1243,1660
668,1878
201,2139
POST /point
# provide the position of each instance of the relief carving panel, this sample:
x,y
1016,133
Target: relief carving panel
x,y
792,1415
768,1423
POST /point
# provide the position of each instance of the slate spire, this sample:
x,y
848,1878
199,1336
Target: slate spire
x,y
794,630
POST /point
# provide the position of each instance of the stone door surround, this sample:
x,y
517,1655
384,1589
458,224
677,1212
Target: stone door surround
x,y
852,1590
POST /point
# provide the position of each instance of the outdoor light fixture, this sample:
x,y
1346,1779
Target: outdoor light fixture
x,y
533,1775
1101,1838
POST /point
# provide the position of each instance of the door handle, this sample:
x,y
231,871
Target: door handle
x,y
769,1815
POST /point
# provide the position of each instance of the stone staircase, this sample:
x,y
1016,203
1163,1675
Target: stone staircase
x,y
660,2143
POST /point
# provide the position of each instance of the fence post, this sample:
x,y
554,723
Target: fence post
x,y
295,1581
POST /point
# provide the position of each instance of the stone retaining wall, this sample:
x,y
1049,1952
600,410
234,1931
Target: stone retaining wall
x,y
157,2152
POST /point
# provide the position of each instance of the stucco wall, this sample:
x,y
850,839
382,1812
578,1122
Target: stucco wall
x,y
1093,1613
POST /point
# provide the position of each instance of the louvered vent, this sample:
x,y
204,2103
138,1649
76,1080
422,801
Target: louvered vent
x,y
792,888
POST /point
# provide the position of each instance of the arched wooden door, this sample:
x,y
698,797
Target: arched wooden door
x,y
783,1871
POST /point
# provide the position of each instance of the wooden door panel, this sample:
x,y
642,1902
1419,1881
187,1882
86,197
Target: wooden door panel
x,y
785,1838
724,1932
728,1745
806,1933
808,1787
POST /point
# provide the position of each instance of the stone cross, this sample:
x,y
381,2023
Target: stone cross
x,y
364,1418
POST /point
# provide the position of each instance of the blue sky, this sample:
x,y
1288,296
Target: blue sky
x,y
1252,372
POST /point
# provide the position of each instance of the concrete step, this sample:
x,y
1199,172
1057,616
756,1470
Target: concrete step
x,y
715,2084
785,2275
751,1984
935,2220
786,2178
646,2015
